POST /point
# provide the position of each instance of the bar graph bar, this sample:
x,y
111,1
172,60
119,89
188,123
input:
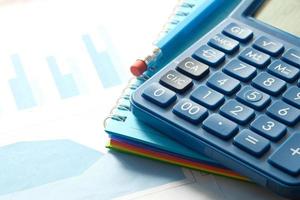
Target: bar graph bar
x,y
66,85
20,86
104,66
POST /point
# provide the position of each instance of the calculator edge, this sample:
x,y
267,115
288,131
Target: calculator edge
x,y
290,191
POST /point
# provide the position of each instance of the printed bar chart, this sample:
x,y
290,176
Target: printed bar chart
x,y
68,85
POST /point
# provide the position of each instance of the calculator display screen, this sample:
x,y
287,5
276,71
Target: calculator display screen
x,y
282,14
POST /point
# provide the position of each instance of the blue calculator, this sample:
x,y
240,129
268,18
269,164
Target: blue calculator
x,y
234,95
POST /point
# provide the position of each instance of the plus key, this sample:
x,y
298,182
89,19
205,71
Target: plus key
x,y
295,151
287,157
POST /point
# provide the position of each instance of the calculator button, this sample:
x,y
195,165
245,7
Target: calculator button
x,y
240,70
251,142
207,97
292,56
223,83
269,83
220,126
268,128
223,43
176,81
238,32
284,71
159,95
284,113
190,111
287,156
255,58
209,56
268,46
237,112
253,98
192,68
292,96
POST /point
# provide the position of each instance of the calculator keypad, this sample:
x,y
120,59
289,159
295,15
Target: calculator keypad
x,y
243,92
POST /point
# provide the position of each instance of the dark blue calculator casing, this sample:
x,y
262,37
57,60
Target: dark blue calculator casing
x,y
193,136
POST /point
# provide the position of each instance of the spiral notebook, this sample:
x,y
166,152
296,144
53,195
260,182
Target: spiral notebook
x,y
130,135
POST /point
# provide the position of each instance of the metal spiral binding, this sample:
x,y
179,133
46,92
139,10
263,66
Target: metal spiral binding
x,y
132,85
172,20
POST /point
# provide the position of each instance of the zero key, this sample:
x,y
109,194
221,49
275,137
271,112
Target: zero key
x,y
159,95
287,157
